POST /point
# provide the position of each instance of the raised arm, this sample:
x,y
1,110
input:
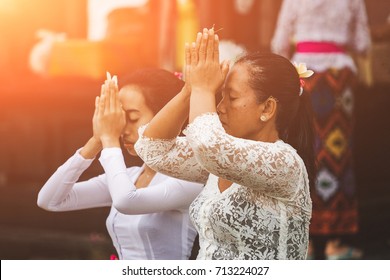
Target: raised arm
x,y
207,75
62,192
173,157
170,194
273,168
168,122
159,145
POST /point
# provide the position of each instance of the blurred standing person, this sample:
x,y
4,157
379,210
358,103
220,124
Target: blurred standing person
x,y
324,33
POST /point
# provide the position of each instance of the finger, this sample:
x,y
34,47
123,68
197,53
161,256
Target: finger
x,y
187,54
216,49
112,96
102,90
101,104
210,45
108,76
118,103
225,68
115,79
198,40
116,91
194,55
203,46
96,112
187,50
107,96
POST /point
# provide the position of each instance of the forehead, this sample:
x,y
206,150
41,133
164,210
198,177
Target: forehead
x,y
238,76
132,98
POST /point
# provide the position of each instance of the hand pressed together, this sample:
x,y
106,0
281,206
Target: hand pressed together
x,y
206,73
109,118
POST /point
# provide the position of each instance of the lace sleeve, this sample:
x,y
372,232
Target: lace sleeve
x,y
172,157
284,31
274,168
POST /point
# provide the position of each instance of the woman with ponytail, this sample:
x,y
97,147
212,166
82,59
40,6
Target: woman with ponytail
x,y
254,152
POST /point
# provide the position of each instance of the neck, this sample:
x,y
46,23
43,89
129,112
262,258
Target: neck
x,y
148,171
268,134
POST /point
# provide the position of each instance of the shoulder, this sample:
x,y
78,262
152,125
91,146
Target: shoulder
x,y
289,153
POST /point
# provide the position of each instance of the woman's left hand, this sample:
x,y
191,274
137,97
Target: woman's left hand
x,y
207,75
109,119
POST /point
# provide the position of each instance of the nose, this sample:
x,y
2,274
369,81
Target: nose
x,y
221,109
128,130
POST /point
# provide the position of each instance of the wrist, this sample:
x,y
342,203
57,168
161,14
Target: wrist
x,y
186,91
91,148
95,141
110,142
202,91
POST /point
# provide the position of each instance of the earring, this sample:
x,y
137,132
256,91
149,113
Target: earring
x,y
263,118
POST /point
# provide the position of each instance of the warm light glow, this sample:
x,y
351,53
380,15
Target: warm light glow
x,y
7,6
98,11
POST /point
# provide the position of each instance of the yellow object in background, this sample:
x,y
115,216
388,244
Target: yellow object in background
x,y
77,58
187,27
91,59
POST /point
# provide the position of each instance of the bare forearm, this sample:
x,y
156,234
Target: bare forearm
x,y
201,102
91,148
168,122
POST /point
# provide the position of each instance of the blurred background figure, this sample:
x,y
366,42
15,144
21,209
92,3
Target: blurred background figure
x,y
323,34
40,53
239,20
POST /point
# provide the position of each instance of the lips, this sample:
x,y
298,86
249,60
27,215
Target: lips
x,y
128,144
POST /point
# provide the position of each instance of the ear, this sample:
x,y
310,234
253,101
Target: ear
x,y
269,108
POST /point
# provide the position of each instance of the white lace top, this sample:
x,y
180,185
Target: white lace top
x,y
341,22
265,214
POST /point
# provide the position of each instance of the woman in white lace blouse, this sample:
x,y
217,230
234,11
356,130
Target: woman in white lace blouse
x,y
254,151
149,217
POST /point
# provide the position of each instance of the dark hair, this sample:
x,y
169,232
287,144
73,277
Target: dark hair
x,y
158,86
273,75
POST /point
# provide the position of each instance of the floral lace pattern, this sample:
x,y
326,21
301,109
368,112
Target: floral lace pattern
x,y
170,156
265,214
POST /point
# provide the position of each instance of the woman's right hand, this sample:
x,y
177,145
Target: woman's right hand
x,y
109,117
206,73
94,144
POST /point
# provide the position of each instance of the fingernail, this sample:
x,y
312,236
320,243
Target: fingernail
x,y
108,75
115,79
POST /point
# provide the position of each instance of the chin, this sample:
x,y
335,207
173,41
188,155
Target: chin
x,y
131,152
